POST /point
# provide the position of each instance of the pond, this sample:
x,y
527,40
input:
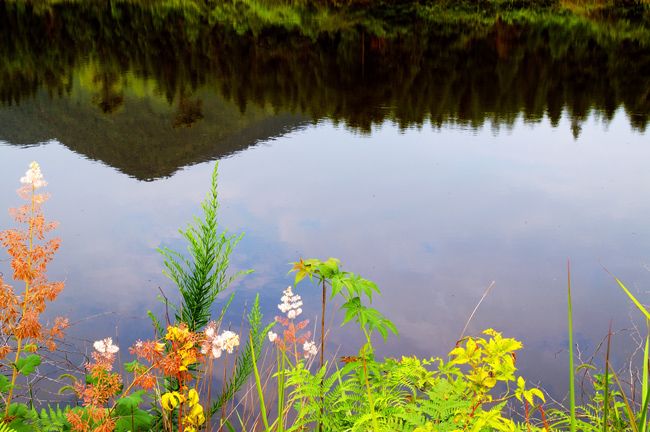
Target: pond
x,y
432,161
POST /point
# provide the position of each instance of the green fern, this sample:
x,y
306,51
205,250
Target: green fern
x,y
406,396
52,420
28,420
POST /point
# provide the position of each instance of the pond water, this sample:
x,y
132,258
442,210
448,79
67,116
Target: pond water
x,y
432,166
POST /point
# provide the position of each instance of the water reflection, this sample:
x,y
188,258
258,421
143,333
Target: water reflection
x,y
433,216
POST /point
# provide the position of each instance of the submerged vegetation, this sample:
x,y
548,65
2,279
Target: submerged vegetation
x,y
168,385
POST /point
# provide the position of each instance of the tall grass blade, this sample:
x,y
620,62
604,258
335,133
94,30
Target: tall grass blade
x,y
258,383
646,392
572,390
628,408
636,302
644,411
606,395
645,384
227,424
244,365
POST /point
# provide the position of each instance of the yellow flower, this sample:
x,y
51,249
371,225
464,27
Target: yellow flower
x,y
193,397
195,416
171,399
177,333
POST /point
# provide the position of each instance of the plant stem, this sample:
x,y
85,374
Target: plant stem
x,y
322,349
281,391
322,326
571,384
606,393
372,404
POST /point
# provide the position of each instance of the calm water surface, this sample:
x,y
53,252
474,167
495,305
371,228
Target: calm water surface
x,y
431,211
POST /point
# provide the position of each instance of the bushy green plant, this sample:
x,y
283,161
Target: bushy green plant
x,y
409,394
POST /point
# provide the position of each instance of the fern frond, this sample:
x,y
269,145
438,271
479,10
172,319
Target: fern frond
x,y
51,420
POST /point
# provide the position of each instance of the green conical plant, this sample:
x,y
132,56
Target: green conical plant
x,y
203,276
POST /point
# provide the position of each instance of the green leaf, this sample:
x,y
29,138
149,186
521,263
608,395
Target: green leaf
x,y
350,287
349,313
329,268
27,364
134,367
636,302
5,384
585,366
336,286
367,290
391,326
64,388
130,419
383,332
300,276
133,400
19,414
228,425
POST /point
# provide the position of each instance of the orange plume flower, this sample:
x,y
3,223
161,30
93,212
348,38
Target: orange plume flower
x,y
30,255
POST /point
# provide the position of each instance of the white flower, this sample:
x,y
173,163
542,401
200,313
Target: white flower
x,y
33,176
290,304
273,336
105,346
229,340
310,349
214,344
